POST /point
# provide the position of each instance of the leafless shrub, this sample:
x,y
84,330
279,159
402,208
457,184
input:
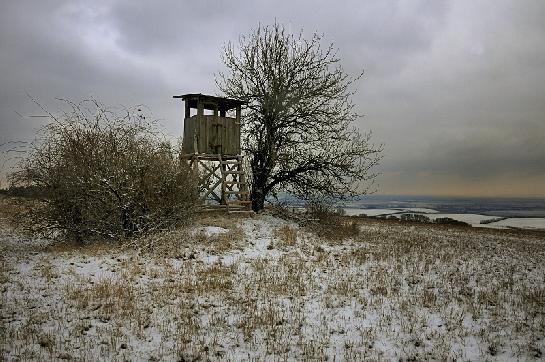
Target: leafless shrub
x,y
102,173
415,218
325,220
450,221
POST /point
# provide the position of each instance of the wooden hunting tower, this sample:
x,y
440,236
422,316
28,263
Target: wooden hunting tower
x,y
211,143
213,133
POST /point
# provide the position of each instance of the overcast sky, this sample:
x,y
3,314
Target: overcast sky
x,y
454,89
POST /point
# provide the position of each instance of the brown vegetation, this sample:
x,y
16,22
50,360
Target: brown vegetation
x,y
325,221
106,175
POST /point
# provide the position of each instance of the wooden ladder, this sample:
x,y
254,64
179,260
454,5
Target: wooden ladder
x,y
234,188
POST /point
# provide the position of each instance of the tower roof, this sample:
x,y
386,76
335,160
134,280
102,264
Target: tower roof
x,y
222,102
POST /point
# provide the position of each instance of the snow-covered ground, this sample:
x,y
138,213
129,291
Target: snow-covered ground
x,y
370,212
264,288
521,223
471,219
378,212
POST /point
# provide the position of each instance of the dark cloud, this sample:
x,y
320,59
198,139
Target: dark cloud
x,y
455,90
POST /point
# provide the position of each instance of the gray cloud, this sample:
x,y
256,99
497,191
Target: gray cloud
x,y
455,90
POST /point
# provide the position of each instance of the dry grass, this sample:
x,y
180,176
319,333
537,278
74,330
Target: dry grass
x,y
14,212
184,243
285,235
334,228
221,242
390,291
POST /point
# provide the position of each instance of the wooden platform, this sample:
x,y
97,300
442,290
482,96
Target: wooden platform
x,y
223,180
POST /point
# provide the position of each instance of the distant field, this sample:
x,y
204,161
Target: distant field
x,y
485,206
475,220
262,287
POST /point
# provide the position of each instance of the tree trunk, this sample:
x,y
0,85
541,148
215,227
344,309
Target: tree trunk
x,y
259,191
259,183
258,199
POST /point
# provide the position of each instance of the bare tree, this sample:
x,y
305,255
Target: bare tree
x,y
298,128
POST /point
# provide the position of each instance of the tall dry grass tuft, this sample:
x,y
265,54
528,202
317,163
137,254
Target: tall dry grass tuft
x,y
286,235
328,222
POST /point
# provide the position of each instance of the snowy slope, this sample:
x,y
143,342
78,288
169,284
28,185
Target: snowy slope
x,y
264,288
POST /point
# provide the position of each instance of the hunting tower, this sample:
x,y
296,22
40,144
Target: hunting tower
x,y
211,144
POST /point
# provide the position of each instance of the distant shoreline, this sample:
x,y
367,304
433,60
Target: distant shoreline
x,y
488,206
471,219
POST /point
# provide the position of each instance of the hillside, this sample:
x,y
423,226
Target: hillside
x,y
257,287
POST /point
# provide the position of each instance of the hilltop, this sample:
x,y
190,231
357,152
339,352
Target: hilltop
x,y
240,288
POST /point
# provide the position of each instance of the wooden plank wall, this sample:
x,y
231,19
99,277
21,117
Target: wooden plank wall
x,y
212,131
